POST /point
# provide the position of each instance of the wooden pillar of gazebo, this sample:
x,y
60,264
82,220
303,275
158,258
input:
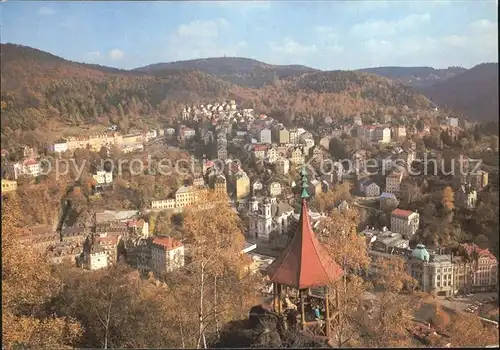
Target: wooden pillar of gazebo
x,y
304,264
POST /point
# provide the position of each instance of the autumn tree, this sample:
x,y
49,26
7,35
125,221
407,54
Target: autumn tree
x,y
325,202
215,279
391,321
448,199
27,287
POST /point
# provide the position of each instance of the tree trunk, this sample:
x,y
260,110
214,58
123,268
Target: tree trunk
x,y
200,322
215,309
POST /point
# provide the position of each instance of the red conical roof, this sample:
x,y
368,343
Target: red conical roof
x,y
304,263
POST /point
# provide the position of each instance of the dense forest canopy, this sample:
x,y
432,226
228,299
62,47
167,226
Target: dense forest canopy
x,y
42,93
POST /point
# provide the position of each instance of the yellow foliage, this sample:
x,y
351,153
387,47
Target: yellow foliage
x,y
27,283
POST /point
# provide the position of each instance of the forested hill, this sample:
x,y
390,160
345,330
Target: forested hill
x,y
241,71
473,93
42,93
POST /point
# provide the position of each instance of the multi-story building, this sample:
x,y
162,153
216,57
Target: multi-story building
x,y
96,258
404,222
168,203
221,151
466,197
293,136
28,167
297,156
109,243
242,185
8,186
259,151
433,272
60,147
272,155
371,189
477,270
265,136
262,221
103,177
382,134
274,189
399,132
282,166
451,121
393,182
283,136
478,179
220,184
167,255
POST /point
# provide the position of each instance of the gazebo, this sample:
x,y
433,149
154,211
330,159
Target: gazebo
x,y
304,264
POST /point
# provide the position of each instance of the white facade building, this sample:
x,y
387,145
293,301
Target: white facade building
x,y
404,222
60,147
29,167
167,255
274,189
103,177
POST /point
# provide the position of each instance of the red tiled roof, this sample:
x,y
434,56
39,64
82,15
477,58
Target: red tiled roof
x,y
469,248
30,162
167,242
401,213
259,148
304,263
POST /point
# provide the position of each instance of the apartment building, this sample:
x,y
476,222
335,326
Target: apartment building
x,y
283,136
404,222
297,156
382,135
393,182
272,155
282,166
167,255
478,271
466,197
103,177
242,185
294,136
8,186
220,184
259,151
28,167
163,204
274,189
264,136
399,132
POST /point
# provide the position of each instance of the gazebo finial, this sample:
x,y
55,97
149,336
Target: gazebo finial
x,y
305,183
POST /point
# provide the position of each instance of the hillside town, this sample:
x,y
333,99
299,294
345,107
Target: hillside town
x,y
257,163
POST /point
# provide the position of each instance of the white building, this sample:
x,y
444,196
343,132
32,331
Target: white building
x,y
103,177
272,155
293,136
404,222
382,134
399,132
266,217
97,258
274,189
163,204
167,255
264,136
29,167
451,121
371,189
60,147
283,166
